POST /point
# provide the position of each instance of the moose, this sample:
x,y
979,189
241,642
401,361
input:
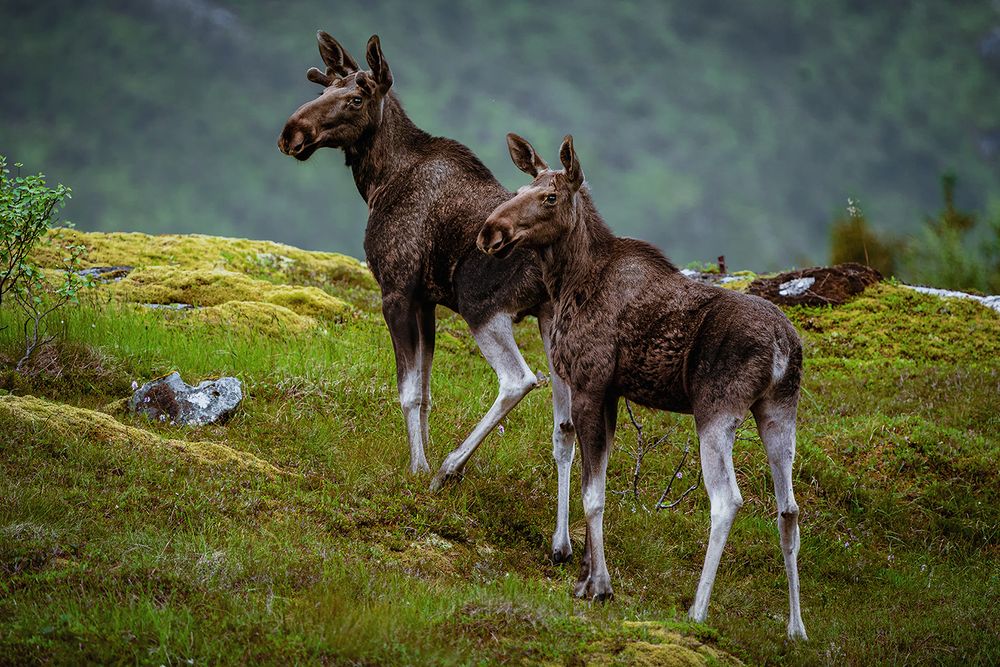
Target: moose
x,y
427,200
626,323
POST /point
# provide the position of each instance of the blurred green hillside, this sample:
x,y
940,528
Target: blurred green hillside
x,y
709,128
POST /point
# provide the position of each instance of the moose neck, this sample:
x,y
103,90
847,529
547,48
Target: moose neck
x,y
385,151
570,264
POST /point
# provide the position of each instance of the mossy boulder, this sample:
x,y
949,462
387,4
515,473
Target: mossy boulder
x,y
102,430
268,319
275,261
216,287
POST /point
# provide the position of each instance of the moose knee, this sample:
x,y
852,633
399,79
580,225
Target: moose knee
x,y
514,389
411,402
563,439
593,502
725,506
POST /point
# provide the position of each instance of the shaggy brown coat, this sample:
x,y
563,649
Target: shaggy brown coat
x,y
628,324
427,199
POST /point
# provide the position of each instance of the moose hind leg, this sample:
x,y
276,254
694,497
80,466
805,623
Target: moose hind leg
x,y
595,430
776,424
583,578
426,324
496,341
563,443
716,434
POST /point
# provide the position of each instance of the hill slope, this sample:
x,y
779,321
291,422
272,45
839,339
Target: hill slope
x,y
292,533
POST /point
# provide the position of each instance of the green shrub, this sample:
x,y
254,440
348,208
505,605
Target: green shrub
x,y
953,252
27,212
853,240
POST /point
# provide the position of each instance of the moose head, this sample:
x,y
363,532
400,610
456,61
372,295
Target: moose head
x,y
349,107
541,212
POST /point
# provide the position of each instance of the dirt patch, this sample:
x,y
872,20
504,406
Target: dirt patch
x,y
816,286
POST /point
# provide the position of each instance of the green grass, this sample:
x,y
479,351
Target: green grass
x,y
111,554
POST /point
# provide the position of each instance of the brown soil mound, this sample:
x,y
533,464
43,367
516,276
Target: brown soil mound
x,y
817,286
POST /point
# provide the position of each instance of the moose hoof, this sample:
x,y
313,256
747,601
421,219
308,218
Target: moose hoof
x,y
797,633
599,590
562,554
604,596
445,477
419,468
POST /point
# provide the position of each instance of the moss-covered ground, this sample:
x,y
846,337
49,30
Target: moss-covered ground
x,y
293,535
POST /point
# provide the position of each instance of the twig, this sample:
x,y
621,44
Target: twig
x,y
670,484
640,452
682,496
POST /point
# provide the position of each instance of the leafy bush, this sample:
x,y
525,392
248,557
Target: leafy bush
x,y
27,213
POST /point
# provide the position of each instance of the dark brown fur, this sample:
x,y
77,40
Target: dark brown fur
x,y
427,198
628,324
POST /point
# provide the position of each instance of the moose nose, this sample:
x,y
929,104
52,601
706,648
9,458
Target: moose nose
x,y
291,141
490,239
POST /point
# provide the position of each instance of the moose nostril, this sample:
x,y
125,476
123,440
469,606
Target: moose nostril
x,y
291,143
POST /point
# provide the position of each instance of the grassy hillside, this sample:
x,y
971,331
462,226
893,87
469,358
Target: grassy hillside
x,y
293,535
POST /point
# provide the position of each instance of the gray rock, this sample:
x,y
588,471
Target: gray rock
x,y
171,399
796,287
105,274
167,306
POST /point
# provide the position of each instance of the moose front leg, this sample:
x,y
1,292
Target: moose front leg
x,y
594,427
563,443
401,315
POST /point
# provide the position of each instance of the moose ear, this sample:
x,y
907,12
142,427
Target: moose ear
x,y
378,64
524,156
570,162
338,61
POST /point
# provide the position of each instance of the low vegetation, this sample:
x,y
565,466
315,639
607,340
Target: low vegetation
x,y
292,534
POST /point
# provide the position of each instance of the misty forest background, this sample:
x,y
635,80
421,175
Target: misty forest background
x,y
708,128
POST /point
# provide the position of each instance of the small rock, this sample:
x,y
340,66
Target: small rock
x,y
817,286
796,287
105,274
169,397
167,306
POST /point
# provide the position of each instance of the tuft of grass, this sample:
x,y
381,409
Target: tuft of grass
x,y
100,430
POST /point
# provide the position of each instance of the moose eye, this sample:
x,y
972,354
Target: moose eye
x,y
356,101
551,199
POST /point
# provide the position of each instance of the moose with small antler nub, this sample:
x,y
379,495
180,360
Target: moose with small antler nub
x,y
627,323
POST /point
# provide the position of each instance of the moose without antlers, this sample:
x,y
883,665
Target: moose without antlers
x,y
627,324
427,199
